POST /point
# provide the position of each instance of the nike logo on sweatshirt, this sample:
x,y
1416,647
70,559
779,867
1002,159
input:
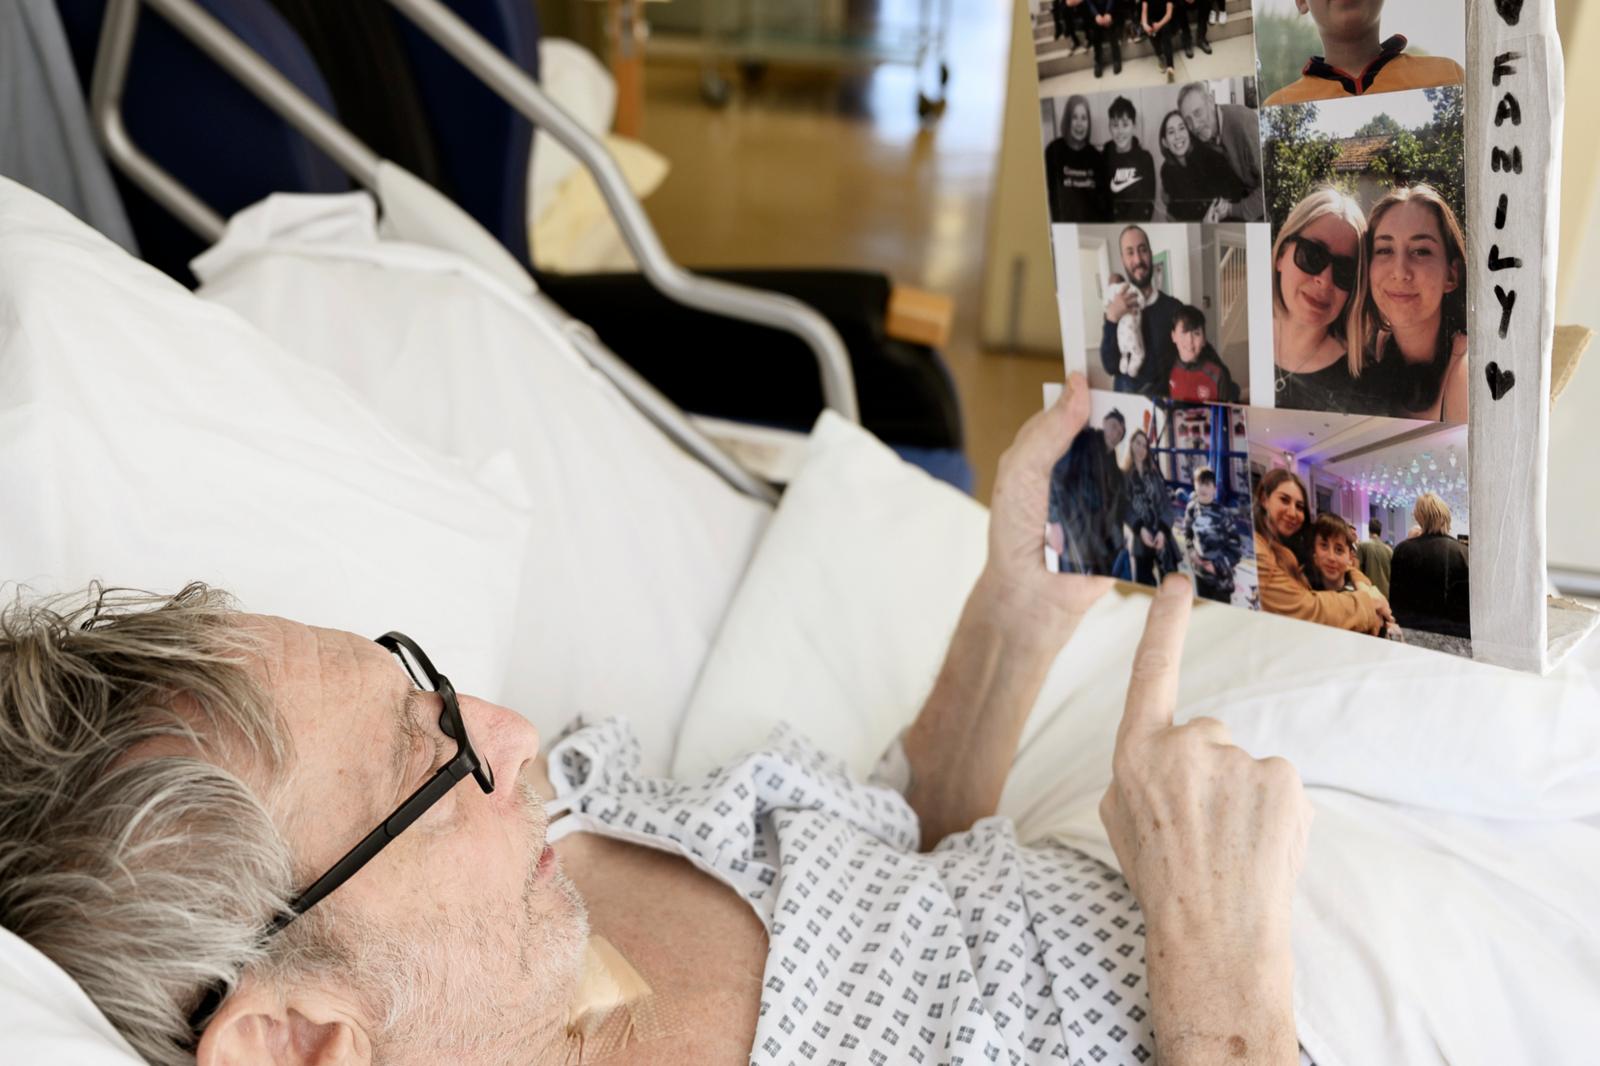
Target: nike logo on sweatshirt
x,y
1125,178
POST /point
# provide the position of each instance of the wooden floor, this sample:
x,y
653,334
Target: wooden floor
x,y
809,169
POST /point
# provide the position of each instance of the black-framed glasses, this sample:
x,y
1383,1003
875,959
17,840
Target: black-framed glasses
x,y
1313,257
465,761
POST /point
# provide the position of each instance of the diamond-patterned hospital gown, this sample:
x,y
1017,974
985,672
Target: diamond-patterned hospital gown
x,y
981,951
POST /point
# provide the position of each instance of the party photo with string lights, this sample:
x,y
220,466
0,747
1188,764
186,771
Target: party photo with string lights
x,y
1362,523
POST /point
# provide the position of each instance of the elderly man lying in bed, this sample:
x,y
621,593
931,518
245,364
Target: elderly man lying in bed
x,y
254,841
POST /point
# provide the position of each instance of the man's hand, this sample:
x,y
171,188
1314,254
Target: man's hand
x,y
1015,622
1048,604
1125,304
1385,612
1211,841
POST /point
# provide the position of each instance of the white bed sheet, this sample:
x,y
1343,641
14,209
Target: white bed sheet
x,y
1447,910
636,547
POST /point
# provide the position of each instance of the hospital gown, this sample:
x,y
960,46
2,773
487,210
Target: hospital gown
x,y
981,951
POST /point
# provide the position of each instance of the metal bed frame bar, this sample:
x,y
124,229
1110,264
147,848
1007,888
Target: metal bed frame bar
x,y
514,86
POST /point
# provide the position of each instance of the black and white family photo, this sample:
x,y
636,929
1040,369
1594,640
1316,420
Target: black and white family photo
x,y
1187,153
1369,255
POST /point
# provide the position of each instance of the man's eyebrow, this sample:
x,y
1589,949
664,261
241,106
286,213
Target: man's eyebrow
x,y
408,729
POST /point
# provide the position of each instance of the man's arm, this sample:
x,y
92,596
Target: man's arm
x,y
1211,841
1016,620
1110,354
1253,207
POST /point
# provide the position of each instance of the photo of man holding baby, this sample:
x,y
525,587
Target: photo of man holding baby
x,y
1162,311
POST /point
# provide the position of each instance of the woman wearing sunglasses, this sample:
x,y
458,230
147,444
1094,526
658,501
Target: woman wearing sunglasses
x,y
1417,305
1319,300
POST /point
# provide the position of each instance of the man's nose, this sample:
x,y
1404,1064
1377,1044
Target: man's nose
x,y
504,739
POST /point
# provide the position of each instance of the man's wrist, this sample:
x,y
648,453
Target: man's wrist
x,y
1027,624
1222,998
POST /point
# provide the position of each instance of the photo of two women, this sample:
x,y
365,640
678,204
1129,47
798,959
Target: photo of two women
x,y
1369,298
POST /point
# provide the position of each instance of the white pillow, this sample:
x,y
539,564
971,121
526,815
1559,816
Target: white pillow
x,y
574,232
46,1017
636,548
840,625
148,438
581,86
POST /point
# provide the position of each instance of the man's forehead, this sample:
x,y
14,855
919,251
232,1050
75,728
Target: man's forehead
x,y
309,669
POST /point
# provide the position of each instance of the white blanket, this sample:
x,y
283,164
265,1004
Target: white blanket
x,y
1447,912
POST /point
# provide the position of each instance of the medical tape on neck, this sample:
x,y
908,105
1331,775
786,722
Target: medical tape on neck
x,y
614,1008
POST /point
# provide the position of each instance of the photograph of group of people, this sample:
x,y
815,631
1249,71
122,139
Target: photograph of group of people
x,y
1160,311
1085,45
1362,523
1188,153
1153,487
1316,190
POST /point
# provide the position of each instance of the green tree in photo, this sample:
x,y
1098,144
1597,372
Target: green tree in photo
x,y
1380,126
1283,44
1434,154
1296,157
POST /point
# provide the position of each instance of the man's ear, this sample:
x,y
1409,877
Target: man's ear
x,y
1303,6
260,1026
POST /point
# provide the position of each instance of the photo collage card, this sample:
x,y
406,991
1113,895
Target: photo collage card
x,y
1258,221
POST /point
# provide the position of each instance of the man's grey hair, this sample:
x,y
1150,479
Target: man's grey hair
x,y
128,855
1196,87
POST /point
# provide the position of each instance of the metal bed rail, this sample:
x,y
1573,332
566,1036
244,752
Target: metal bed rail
x,y
361,163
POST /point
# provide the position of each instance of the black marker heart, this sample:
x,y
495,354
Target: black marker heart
x,y
1510,10
1500,381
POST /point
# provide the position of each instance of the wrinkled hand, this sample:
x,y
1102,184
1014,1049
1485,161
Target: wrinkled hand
x,y
1019,512
1210,839
1160,543
1146,539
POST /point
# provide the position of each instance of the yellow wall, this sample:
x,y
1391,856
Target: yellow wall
x,y
1019,304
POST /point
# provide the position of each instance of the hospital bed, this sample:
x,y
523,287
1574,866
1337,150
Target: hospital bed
x,y
374,426
410,99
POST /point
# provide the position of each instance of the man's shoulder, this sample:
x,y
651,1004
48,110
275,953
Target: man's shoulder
x,y
1417,72
1306,89
1165,303
1240,117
